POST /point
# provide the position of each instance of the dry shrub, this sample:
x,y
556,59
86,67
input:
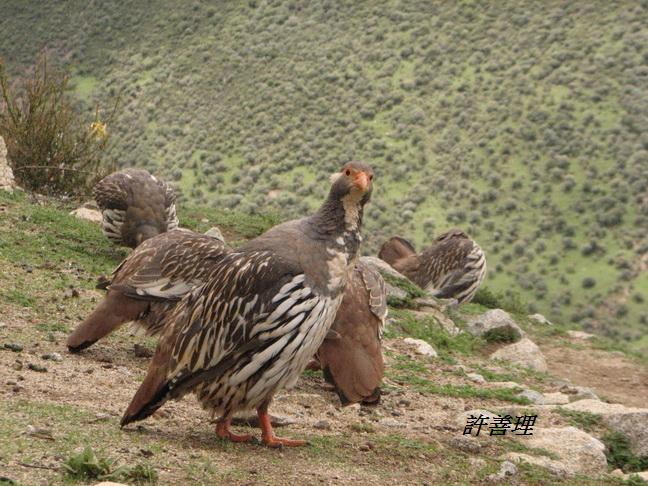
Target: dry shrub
x,y
52,147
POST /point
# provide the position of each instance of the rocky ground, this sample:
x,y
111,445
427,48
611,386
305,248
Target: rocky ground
x,y
444,365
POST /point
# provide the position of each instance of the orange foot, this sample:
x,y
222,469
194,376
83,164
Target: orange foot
x,y
224,432
267,434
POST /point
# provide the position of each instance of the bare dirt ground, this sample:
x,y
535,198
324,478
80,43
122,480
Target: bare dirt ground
x,y
408,439
611,375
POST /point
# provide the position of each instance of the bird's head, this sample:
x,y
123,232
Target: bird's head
x,y
353,183
145,232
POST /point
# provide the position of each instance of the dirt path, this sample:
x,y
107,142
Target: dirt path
x,y
611,375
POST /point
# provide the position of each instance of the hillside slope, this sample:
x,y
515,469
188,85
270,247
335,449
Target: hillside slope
x,y
53,404
525,124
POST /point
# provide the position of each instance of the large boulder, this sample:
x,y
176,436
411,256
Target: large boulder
x,y
7,181
627,420
577,451
524,353
497,323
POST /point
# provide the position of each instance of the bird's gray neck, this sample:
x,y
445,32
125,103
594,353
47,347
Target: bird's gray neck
x,y
339,222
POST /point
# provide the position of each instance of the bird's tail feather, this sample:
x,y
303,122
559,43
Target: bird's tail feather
x,y
111,313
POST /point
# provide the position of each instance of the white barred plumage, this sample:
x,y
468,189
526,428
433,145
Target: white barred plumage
x,y
136,206
265,310
453,267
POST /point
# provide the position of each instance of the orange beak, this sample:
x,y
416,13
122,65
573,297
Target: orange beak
x,y
361,181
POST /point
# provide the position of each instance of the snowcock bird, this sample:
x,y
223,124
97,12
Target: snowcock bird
x,y
453,267
135,206
252,328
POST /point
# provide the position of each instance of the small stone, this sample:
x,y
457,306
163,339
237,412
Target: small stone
x,y
466,443
540,319
580,335
495,321
17,365
531,395
507,470
39,433
422,347
364,448
322,425
404,402
91,215
52,357
15,347
476,377
524,353
554,399
37,367
17,388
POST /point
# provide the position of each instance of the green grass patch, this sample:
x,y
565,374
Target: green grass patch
x,y
619,454
583,420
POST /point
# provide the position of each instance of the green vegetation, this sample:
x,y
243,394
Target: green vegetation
x,y
583,420
524,123
52,147
412,372
87,465
428,329
619,454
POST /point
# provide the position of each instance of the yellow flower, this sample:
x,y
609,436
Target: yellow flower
x,y
98,129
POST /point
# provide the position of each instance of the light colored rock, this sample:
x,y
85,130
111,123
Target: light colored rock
x,y
215,232
444,321
524,353
494,320
507,470
580,335
466,443
540,319
531,395
504,384
475,377
421,347
462,419
627,420
556,398
643,475
555,467
88,214
576,393
578,452
7,181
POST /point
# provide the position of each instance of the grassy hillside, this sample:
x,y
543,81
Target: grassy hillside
x,y
524,123
51,410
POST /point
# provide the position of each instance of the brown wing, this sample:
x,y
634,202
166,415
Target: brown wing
x,y
168,266
352,358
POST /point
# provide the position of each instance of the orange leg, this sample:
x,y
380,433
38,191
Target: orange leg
x,y
267,434
224,432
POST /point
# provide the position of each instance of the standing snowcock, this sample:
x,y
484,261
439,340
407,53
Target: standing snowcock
x,y
135,206
252,329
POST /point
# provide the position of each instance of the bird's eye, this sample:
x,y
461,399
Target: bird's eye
x,y
348,172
